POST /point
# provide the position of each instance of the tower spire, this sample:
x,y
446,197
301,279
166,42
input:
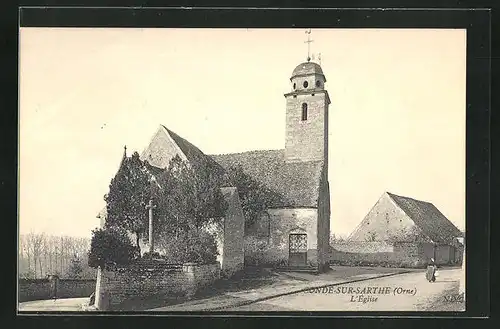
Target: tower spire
x,y
308,41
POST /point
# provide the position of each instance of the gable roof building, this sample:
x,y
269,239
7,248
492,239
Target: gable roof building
x,y
393,217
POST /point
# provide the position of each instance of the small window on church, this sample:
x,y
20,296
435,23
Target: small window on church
x,y
305,84
294,86
318,83
304,111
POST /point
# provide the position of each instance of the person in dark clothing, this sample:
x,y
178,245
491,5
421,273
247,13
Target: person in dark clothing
x,y
430,274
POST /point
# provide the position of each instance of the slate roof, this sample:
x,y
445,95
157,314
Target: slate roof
x,y
194,154
297,183
428,218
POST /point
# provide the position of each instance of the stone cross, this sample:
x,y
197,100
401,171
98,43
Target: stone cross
x,y
150,207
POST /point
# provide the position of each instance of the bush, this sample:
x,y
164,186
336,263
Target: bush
x,y
110,246
195,246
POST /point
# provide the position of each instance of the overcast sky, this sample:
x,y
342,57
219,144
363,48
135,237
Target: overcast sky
x,y
397,118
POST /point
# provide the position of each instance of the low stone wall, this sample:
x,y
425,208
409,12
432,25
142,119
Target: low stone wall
x,y
39,289
377,253
151,279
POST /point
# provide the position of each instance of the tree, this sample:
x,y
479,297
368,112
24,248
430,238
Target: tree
x,y
51,254
110,246
129,193
255,198
189,198
75,269
35,244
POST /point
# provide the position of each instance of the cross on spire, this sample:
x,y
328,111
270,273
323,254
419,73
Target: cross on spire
x,y
308,32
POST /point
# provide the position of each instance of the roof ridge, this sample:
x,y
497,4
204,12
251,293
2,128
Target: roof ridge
x,y
245,152
407,197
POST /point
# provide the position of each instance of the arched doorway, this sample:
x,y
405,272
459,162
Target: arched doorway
x,y
297,249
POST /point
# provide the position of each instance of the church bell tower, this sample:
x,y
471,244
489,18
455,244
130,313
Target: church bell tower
x,y
307,115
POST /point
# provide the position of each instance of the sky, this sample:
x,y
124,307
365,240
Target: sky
x,y
396,121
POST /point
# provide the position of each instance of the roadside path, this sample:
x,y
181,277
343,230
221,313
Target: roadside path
x,y
415,294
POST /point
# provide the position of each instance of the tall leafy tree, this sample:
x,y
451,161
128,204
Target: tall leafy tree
x,y
190,198
190,195
254,196
129,193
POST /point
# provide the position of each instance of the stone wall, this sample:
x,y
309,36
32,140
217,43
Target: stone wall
x,y
273,250
395,254
39,289
377,253
149,280
234,231
229,234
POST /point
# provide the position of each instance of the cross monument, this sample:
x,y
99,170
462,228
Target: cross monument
x,y
150,207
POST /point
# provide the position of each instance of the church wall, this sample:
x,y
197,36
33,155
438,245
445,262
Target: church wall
x,y
160,150
305,140
217,229
229,234
274,250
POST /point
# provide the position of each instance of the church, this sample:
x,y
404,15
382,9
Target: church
x,y
294,231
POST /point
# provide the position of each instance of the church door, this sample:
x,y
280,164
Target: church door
x,y
297,250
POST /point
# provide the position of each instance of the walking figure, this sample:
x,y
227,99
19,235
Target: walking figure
x,y
430,275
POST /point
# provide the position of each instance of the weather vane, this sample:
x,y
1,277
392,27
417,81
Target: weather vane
x,y
308,32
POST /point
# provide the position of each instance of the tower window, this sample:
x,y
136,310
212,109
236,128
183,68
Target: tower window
x,y
318,83
305,84
304,111
294,86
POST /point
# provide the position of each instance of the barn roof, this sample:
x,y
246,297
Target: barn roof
x,y
428,218
296,183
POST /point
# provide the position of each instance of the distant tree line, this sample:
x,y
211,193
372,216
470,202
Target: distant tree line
x,y
41,255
